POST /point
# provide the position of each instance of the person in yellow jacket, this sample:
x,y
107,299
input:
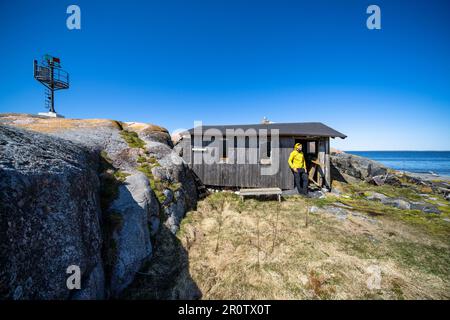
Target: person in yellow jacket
x,y
298,165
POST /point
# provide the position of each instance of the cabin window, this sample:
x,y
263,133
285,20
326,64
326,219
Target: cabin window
x,y
311,147
265,150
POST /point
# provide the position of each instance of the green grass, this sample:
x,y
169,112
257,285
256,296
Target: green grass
x,y
132,139
322,202
141,159
419,255
153,161
442,204
355,196
410,193
432,223
146,169
157,185
120,175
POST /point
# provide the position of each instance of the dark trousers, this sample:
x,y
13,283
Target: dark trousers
x,y
301,181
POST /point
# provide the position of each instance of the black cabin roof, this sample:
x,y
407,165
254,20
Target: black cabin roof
x,y
316,129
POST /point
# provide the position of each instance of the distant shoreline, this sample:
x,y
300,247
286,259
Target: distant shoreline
x,y
428,164
427,176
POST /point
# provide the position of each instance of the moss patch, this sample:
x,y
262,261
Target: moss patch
x,y
145,164
141,159
158,185
120,175
132,139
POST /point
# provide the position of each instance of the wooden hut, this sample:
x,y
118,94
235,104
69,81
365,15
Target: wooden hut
x,y
274,143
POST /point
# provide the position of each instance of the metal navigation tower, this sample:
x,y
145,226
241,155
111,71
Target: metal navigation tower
x,y
49,73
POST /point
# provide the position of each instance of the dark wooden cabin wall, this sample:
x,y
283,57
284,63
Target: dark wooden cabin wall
x,y
249,175
243,175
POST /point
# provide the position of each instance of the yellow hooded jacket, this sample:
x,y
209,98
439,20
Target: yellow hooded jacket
x,y
297,160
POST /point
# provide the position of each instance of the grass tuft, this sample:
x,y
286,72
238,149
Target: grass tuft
x,y
132,139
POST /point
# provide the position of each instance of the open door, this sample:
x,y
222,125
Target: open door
x,y
310,151
309,148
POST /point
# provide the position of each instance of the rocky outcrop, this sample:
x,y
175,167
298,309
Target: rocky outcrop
x,y
356,167
430,182
402,203
114,183
397,203
49,217
346,167
131,246
388,178
171,169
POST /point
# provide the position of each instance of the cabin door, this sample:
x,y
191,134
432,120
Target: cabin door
x,y
309,148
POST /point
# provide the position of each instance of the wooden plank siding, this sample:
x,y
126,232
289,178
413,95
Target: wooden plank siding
x,y
249,175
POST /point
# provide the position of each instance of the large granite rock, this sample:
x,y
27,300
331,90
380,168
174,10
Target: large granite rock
x,y
402,203
45,174
346,167
171,169
49,217
133,209
388,178
356,166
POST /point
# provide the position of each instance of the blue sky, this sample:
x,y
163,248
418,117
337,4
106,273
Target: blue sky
x,y
173,62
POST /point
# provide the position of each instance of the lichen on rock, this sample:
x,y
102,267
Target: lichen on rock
x,y
49,217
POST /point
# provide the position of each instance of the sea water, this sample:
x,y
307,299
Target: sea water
x,y
437,162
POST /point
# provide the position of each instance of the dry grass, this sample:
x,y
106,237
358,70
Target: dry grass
x,y
263,250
